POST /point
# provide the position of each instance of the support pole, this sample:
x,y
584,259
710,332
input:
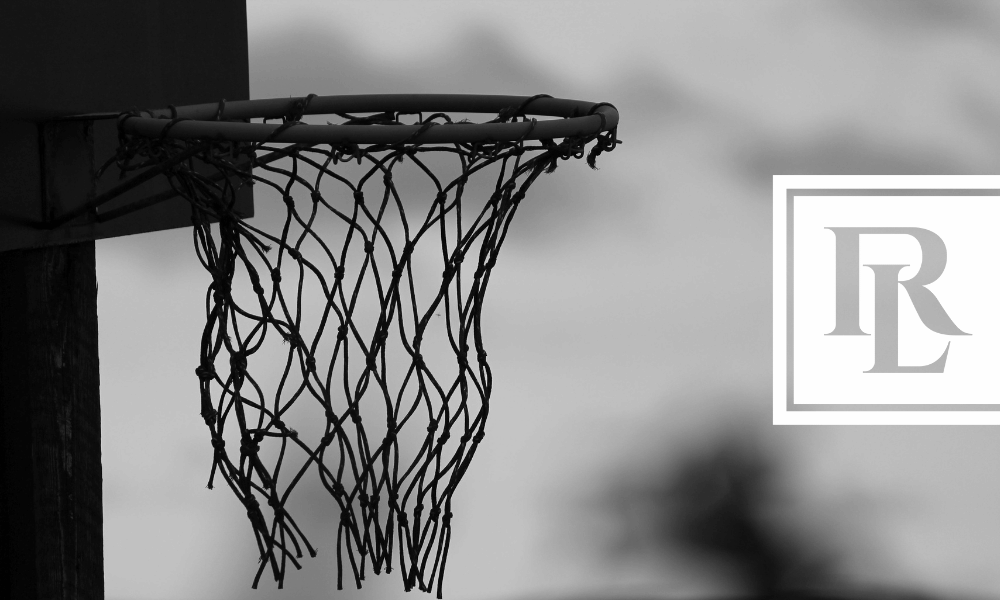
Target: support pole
x,y
51,522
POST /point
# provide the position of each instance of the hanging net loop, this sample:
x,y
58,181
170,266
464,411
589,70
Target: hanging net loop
x,y
353,311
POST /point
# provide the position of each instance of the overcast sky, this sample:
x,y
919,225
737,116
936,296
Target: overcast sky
x,y
629,318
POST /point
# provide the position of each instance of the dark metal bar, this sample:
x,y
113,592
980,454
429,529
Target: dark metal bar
x,y
171,193
275,108
121,188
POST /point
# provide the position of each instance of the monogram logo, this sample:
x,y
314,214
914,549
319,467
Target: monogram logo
x,y
934,257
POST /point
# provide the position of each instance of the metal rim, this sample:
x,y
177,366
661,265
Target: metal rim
x,y
224,120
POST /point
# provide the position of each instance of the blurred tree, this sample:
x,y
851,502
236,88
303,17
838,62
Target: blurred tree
x,y
719,502
722,503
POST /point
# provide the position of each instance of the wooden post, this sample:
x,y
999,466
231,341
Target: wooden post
x,y
51,522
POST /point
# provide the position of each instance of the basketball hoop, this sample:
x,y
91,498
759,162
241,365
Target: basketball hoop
x,y
354,249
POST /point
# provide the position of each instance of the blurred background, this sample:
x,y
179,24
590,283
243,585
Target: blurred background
x,y
631,452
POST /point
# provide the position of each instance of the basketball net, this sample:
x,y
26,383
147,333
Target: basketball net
x,y
353,312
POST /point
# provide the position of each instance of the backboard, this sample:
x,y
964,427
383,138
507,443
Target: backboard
x,y
67,58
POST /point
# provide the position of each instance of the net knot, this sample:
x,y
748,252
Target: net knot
x,y
418,360
249,446
342,332
478,437
338,273
287,430
417,511
238,363
432,427
441,197
291,337
393,504
363,497
205,371
316,197
338,488
218,443
294,253
345,517
369,247
298,109
276,275
605,143
255,282
208,414
328,438
447,518
311,364
403,519
359,197
434,514
289,201
508,113
444,438
220,295
355,415
481,355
